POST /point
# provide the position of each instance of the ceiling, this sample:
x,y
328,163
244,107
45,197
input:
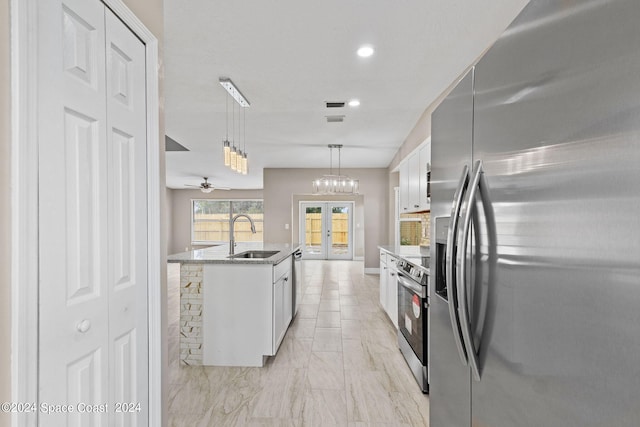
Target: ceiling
x,y
289,57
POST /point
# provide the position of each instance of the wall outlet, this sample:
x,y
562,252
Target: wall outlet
x,y
286,226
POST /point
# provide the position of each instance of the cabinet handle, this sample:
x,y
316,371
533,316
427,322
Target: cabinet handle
x,y
286,279
416,206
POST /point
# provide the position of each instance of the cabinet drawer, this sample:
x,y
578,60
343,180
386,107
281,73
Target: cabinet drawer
x,y
284,268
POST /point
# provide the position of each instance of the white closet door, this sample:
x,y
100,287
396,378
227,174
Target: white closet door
x,y
127,183
92,244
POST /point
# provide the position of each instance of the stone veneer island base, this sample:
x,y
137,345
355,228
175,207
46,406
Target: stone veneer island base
x,y
191,314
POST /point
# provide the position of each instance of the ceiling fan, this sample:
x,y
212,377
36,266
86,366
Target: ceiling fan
x,y
206,186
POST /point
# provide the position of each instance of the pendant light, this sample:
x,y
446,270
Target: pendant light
x,y
226,146
235,157
244,146
234,150
335,184
239,156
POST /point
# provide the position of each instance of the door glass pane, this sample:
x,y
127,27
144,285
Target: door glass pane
x,y
339,230
313,230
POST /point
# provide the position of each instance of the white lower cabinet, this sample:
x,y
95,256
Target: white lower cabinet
x,y
282,306
383,279
389,286
246,310
392,289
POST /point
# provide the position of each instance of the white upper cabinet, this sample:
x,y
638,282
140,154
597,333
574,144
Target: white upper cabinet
x,y
414,180
425,177
404,187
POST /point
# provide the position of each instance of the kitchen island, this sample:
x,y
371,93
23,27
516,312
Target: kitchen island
x,y
234,310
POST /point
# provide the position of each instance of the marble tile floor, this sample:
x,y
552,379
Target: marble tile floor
x,y
338,364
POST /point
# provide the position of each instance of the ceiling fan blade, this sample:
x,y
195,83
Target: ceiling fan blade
x,y
194,186
222,188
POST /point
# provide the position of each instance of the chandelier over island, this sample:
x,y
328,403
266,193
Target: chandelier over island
x,y
235,158
335,184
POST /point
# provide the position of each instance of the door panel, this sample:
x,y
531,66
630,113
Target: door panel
x,y
339,231
73,240
559,136
451,138
92,214
126,144
84,381
312,230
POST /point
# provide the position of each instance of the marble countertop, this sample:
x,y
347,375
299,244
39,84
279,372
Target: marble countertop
x,y
220,254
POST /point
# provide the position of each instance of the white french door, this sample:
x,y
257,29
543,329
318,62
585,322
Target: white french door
x,y
326,230
93,313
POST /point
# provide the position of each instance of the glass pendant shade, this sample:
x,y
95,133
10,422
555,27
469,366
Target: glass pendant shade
x,y
233,158
226,148
239,162
245,164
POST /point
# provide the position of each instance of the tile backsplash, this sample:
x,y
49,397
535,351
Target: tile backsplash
x,y
415,229
425,237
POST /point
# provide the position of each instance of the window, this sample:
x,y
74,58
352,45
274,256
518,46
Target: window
x,y
210,220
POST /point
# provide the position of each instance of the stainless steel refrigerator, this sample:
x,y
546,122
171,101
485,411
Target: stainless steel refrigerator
x,y
535,307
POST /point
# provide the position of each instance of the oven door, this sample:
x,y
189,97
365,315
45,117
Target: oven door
x,y
412,314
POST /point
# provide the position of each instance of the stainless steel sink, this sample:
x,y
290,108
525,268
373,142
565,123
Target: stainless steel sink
x,y
254,254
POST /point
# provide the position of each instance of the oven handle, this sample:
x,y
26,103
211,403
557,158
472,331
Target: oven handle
x,y
463,238
456,327
405,282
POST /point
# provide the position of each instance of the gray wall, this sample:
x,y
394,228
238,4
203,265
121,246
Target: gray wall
x,y
281,185
180,207
5,212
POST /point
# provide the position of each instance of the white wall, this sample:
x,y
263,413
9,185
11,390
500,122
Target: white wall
x,y
180,228
5,211
281,185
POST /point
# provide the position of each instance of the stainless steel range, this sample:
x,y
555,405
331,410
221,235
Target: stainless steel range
x,y
413,306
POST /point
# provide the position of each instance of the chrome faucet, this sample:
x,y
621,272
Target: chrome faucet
x,y
232,221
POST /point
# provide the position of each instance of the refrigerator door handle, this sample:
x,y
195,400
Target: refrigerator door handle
x,y
450,265
463,304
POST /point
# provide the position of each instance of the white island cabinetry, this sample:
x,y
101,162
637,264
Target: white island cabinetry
x,y
234,310
282,302
245,312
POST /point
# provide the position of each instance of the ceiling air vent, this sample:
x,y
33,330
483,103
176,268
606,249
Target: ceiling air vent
x,y
335,104
335,119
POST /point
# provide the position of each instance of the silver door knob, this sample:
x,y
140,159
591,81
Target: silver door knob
x,y
84,326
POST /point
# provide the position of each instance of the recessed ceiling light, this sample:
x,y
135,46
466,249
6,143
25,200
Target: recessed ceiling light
x,y
354,103
365,51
